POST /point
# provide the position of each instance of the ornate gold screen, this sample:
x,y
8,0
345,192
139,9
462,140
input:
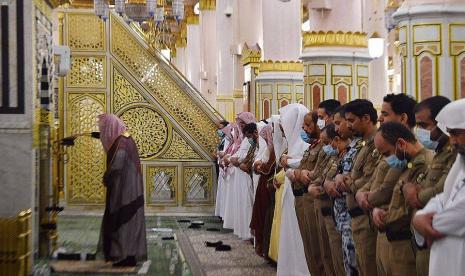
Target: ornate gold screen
x,y
112,71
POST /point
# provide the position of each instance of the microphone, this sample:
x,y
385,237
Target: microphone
x,y
69,141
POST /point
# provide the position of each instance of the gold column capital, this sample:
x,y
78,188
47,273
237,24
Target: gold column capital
x,y
334,38
251,55
207,4
281,66
193,20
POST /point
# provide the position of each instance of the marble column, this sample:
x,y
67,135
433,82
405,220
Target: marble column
x,y
208,50
193,50
432,47
224,40
280,76
374,22
335,54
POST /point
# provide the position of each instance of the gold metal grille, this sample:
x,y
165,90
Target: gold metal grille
x,y
85,32
149,129
15,245
86,158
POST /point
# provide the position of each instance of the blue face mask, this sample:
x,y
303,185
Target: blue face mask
x,y
329,150
220,133
396,163
424,136
304,136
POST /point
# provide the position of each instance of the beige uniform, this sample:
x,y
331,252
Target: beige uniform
x,y
380,189
431,185
398,218
364,236
335,240
317,178
304,208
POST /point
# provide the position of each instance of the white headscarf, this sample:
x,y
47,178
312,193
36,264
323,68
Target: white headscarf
x,y
452,116
260,126
292,119
277,136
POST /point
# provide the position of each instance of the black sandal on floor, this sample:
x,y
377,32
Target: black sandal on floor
x,y
213,244
213,229
223,247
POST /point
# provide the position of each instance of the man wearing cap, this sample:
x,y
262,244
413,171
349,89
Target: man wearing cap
x,y
441,223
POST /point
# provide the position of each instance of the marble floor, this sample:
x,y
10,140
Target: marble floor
x,y
184,255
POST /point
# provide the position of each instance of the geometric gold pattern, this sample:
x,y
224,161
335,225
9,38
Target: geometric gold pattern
x,y
149,129
129,52
180,149
124,93
87,72
173,131
86,163
86,32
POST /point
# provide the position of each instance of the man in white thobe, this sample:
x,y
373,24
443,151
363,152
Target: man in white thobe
x,y
441,224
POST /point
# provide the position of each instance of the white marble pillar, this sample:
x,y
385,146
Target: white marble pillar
x,y
193,51
208,52
374,21
335,54
280,78
224,40
180,60
432,47
17,163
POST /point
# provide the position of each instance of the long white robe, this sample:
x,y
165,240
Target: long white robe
x,y
448,254
243,190
220,189
291,254
291,260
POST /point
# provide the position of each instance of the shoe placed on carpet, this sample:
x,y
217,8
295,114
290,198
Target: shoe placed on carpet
x,y
194,226
213,229
168,238
129,261
183,220
223,247
69,256
198,222
213,244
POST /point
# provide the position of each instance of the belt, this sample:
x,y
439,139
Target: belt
x,y
401,235
356,212
326,211
300,192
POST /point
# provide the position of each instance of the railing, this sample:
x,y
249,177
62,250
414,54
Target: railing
x,y
15,245
171,69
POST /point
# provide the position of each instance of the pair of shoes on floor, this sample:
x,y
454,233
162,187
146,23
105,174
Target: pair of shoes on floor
x,y
213,229
128,261
196,224
219,246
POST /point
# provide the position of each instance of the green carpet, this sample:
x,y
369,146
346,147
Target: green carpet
x,y
183,256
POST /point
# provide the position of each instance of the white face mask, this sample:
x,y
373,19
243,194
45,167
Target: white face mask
x,y
321,123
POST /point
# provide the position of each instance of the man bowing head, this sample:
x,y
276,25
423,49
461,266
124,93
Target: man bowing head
x,y
441,223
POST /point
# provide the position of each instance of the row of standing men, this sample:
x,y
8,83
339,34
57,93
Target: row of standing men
x,y
329,192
